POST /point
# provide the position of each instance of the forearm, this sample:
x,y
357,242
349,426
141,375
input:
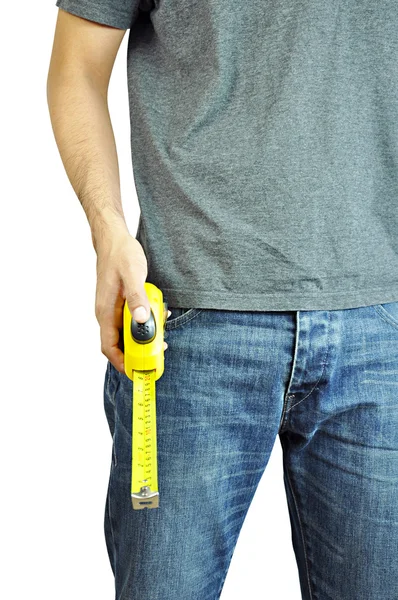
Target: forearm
x,y
84,136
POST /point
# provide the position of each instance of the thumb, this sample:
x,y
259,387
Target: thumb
x,y
139,306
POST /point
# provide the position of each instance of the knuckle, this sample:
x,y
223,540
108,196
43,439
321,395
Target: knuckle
x,y
132,296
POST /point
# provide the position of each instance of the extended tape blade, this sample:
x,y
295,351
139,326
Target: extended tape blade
x,y
144,467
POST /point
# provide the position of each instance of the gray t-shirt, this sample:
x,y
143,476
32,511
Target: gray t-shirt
x,y
264,140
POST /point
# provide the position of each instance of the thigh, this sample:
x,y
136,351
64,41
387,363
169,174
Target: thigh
x,y
217,420
340,448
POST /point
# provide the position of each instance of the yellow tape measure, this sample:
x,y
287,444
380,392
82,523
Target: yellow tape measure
x,y
144,364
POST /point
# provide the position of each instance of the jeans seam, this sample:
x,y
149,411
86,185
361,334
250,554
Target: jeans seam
x,y
114,453
320,376
107,377
110,514
310,392
112,396
286,398
312,597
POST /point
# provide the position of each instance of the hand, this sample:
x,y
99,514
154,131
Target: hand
x,y
121,274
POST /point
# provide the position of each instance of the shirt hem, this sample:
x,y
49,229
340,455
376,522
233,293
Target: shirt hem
x,y
282,301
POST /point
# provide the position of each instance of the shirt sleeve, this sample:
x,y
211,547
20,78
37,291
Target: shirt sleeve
x,y
116,13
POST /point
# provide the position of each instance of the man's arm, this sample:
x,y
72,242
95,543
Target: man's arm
x,y
81,64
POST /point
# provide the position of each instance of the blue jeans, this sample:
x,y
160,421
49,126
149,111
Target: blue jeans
x,y
326,382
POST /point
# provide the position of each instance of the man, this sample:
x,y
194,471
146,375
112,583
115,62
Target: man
x,y
265,148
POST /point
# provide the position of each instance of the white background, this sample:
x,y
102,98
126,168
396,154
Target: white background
x,y
55,441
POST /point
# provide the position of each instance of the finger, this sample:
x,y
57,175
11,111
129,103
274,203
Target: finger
x,y
136,297
110,339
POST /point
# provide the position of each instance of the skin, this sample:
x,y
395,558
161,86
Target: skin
x,y
81,64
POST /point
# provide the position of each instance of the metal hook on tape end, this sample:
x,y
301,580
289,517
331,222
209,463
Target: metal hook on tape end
x,y
145,498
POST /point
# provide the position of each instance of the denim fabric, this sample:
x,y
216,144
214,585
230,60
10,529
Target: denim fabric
x,y
326,382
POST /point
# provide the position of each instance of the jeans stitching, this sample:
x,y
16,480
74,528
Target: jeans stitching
x,y
174,324
113,402
112,395
320,377
384,315
286,399
110,515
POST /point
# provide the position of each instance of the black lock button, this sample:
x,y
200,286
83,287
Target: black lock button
x,y
143,333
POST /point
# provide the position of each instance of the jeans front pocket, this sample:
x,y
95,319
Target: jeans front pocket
x,y
388,311
111,386
180,316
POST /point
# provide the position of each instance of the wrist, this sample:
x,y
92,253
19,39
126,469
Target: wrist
x,y
106,228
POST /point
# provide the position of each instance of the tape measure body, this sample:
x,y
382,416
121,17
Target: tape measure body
x,y
144,364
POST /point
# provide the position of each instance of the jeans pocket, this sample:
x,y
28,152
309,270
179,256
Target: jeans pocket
x,y
388,311
111,386
112,382
180,316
